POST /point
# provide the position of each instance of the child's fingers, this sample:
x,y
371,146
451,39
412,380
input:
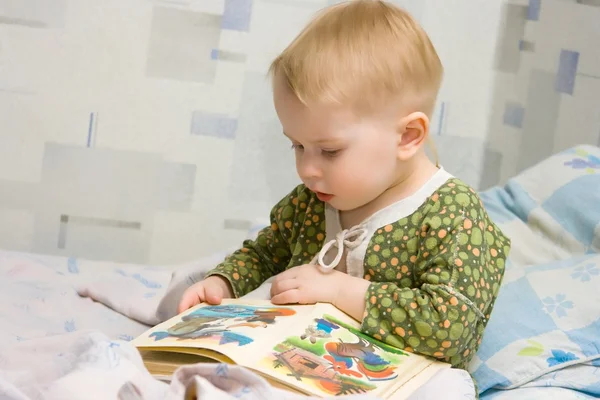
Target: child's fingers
x,y
190,298
213,294
292,296
283,286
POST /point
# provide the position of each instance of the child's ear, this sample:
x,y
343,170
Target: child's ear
x,y
413,130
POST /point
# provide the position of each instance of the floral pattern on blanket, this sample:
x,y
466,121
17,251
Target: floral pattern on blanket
x,y
589,162
544,331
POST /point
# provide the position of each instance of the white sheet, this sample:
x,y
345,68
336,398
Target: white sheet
x,y
55,344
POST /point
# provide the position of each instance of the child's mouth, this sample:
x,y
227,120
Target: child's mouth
x,y
324,196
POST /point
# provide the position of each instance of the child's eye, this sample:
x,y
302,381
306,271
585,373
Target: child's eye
x,y
331,153
297,146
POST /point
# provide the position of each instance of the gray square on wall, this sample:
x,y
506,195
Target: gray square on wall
x,y
101,203
181,43
34,13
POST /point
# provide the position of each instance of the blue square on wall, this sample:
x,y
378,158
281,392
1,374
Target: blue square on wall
x,y
514,113
236,15
216,125
567,71
533,11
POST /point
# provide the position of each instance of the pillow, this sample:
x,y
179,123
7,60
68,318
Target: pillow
x,y
546,318
547,315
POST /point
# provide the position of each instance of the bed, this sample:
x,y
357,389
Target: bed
x,y
66,323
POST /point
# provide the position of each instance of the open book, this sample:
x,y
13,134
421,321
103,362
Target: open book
x,y
312,349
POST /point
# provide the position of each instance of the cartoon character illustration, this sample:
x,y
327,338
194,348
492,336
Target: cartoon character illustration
x,y
268,315
215,322
337,358
258,324
303,365
223,335
343,356
321,330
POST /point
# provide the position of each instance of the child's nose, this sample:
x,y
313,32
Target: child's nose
x,y
308,170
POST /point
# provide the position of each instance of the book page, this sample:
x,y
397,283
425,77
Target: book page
x,y
236,328
316,349
330,357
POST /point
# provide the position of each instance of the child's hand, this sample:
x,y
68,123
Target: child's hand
x,y
307,284
211,290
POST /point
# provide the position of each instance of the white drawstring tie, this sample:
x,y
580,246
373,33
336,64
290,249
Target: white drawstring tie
x,y
350,238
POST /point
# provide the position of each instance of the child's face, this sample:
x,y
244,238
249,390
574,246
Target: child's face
x,y
348,161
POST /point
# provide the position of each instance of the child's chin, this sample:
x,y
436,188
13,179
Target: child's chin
x,y
339,205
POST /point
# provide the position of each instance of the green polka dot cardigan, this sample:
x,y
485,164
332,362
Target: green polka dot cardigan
x,y
435,261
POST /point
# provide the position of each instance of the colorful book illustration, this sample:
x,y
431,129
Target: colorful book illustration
x,y
311,349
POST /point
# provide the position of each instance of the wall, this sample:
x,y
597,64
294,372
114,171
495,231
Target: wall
x,y
143,130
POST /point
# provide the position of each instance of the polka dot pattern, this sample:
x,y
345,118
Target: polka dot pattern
x,y
434,274
296,235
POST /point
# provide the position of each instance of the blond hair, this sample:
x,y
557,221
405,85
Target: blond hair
x,y
362,53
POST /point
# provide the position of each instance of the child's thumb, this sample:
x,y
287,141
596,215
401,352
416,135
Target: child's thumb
x,y
190,298
213,294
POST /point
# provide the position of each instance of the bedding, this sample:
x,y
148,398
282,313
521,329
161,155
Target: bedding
x,y
543,338
66,322
58,343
